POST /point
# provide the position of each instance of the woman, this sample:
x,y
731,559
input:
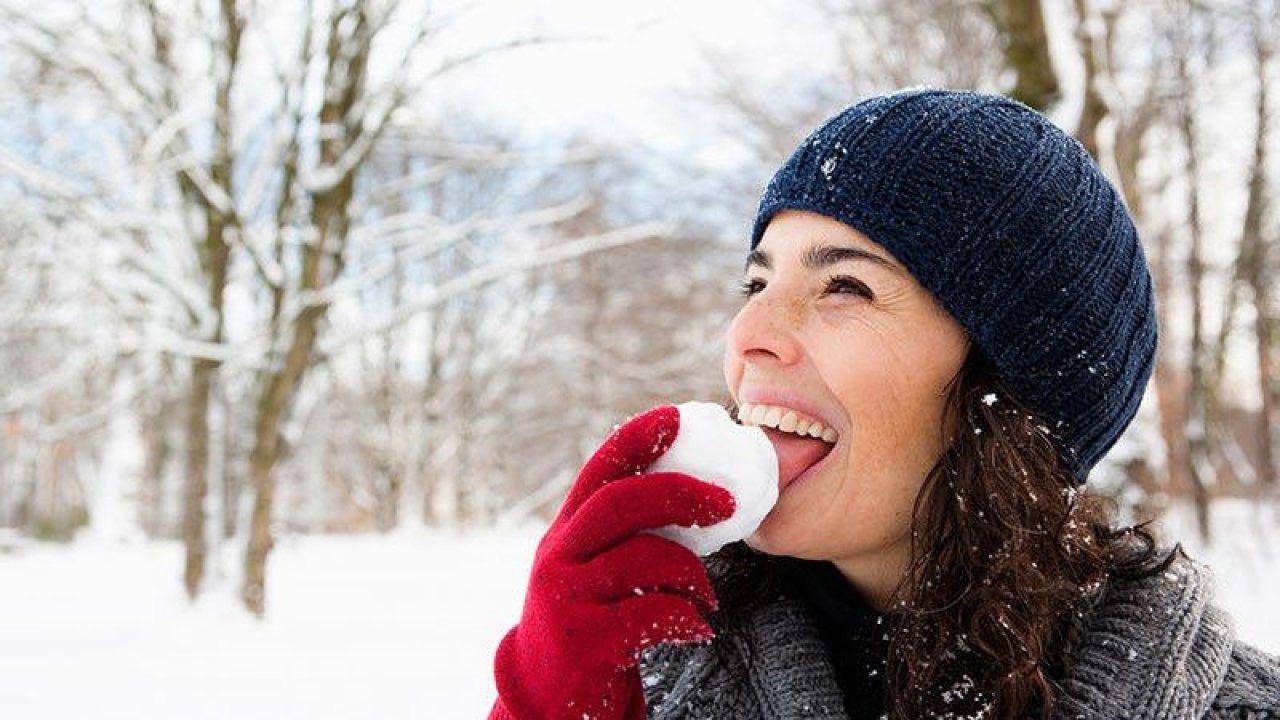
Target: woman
x,y
947,282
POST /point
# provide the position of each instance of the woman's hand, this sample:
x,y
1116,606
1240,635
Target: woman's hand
x,y
601,590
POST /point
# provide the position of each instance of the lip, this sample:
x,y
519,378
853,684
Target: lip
x,y
782,398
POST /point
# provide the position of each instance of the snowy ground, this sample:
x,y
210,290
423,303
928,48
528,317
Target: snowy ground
x,y
388,628
395,627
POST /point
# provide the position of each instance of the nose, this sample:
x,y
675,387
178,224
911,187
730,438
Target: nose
x,y
766,329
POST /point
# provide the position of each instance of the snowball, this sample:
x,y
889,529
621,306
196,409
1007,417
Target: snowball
x,y
712,447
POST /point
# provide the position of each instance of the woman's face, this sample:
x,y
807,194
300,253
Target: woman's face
x,y
835,329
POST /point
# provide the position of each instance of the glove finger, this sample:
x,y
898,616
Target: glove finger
x,y
629,450
645,564
643,502
646,620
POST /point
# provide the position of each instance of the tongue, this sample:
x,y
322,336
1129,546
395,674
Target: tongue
x,y
795,454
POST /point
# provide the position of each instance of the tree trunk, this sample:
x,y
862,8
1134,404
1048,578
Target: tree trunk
x,y
1256,250
389,461
1095,107
232,482
1198,463
433,418
157,448
1026,51
329,224
253,591
203,377
214,256
197,475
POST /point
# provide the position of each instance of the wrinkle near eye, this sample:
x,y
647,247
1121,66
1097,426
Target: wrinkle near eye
x,y
894,297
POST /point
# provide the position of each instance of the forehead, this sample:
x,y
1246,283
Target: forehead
x,y
814,242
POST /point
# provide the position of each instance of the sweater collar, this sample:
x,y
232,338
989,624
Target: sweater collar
x,y
1150,647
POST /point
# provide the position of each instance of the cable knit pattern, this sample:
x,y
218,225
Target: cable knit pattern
x,y
1150,648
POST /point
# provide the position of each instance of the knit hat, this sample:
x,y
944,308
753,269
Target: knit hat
x,y
1012,226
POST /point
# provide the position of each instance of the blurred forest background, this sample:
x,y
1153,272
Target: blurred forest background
x,y
279,267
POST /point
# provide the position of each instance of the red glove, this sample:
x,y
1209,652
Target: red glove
x,y
601,591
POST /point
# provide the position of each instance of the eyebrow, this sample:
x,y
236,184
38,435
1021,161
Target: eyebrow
x,y
817,257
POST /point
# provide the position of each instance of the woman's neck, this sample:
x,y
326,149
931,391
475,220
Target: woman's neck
x,y
875,578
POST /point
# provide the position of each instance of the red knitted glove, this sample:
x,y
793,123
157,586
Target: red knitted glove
x,y
601,591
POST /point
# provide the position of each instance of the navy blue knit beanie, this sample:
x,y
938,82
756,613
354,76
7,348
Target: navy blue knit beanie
x,y
1010,224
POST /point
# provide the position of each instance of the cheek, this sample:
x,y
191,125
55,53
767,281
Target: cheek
x,y
922,420
731,366
911,427
894,401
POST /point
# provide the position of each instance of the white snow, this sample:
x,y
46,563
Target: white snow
x,y
392,627
357,627
738,458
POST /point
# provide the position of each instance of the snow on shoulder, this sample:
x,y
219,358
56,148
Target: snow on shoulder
x,y
712,447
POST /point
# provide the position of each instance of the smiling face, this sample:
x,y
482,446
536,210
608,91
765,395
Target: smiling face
x,y
837,330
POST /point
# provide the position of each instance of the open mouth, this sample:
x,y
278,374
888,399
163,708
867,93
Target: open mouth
x,y
800,442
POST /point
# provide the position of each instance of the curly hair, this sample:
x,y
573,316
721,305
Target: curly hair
x,y
1005,549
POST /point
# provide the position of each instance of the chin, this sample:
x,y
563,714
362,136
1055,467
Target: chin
x,y
762,541
773,538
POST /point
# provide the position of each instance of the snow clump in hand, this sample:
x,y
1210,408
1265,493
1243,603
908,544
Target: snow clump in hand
x,y
712,447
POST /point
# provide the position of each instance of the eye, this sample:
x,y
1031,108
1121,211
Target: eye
x,y
750,286
846,285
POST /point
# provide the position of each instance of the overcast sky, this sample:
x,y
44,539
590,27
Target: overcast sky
x,y
632,60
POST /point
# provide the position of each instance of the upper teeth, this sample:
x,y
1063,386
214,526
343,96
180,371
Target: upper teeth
x,y
786,420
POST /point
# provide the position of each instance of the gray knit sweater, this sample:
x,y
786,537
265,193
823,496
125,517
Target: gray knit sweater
x,y
1152,648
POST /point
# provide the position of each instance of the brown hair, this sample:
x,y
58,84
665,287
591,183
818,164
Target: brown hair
x,y
1005,548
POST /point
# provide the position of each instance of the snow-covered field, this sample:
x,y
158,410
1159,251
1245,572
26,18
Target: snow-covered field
x,y
393,627
386,627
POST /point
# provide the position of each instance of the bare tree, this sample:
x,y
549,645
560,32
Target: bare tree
x,y
246,135
214,250
1255,258
144,87
1025,41
1093,34
1250,267
58,374
1189,46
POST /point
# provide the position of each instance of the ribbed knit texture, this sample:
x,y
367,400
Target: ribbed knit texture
x,y
1010,224
1153,648
776,666
855,635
